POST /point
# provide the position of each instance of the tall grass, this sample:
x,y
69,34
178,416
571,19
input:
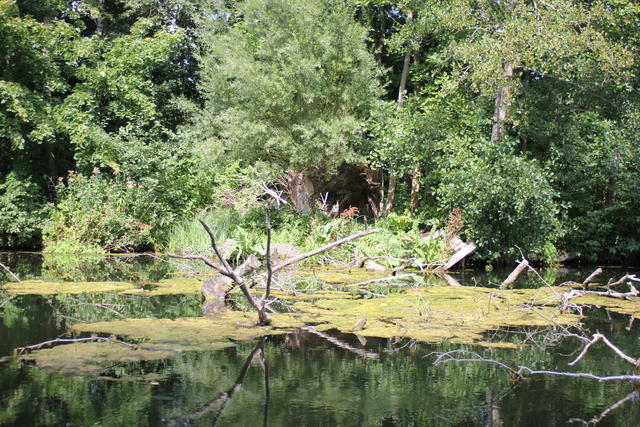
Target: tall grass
x,y
188,236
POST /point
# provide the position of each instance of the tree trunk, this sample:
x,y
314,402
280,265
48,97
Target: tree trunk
x,y
405,69
502,104
391,192
301,191
393,176
52,170
416,176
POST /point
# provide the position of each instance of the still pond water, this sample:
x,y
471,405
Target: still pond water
x,y
296,379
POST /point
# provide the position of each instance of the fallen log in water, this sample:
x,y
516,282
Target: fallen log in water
x,y
522,266
460,254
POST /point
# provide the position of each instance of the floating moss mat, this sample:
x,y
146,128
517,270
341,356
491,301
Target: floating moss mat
x,y
427,314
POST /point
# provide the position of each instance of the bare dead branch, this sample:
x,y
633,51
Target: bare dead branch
x,y
462,253
592,276
451,281
522,266
202,258
277,195
600,337
621,281
450,357
267,285
586,375
325,248
341,344
11,273
222,259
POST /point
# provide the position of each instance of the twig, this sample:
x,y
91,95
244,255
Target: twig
x,y
449,357
325,248
15,277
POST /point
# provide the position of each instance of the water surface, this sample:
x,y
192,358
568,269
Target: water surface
x,y
298,378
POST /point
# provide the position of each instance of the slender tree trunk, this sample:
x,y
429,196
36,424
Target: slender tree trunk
x,y
393,176
502,104
611,192
391,192
416,176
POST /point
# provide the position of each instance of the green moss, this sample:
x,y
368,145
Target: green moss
x,y
91,358
622,306
435,314
183,334
40,287
174,286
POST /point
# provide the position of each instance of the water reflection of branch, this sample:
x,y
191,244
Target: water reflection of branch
x,y
225,397
634,395
341,344
7,300
76,340
459,356
267,390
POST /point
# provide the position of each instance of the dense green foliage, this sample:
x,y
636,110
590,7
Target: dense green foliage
x,y
121,120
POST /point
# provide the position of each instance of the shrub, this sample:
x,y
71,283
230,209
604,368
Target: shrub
x,y
506,201
22,211
97,213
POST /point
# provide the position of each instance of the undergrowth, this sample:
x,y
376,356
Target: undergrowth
x,y
239,235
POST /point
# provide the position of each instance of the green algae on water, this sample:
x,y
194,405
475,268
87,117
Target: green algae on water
x,y
91,358
41,287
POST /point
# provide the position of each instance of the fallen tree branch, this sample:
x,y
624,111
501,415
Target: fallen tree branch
x,y
237,275
325,248
592,276
462,253
522,265
11,273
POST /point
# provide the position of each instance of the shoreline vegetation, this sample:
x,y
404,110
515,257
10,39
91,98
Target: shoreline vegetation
x,y
510,125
